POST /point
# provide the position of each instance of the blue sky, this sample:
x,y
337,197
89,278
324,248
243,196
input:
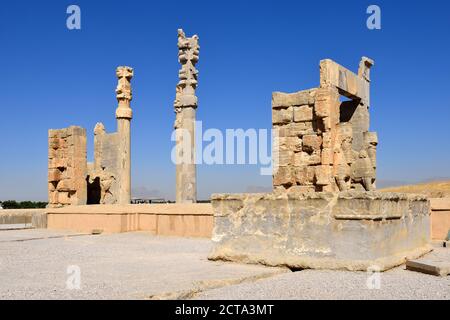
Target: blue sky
x,y
53,77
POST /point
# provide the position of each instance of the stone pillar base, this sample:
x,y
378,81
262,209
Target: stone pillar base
x,y
348,230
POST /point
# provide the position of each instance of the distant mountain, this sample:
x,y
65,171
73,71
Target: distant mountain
x,y
381,183
258,189
432,189
145,193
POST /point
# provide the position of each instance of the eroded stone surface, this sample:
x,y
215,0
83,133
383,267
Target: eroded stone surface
x,y
330,136
429,266
185,114
67,166
347,230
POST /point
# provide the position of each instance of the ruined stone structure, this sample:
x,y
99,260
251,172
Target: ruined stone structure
x,y
324,144
185,111
324,212
73,181
67,167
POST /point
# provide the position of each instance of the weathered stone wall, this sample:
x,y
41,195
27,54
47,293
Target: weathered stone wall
x,y
73,181
103,177
349,230
37,218
181,220
321,143
67,167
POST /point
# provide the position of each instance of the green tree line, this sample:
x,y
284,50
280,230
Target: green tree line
x,y
12,204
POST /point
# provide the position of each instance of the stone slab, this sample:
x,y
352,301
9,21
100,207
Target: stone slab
x,y
429,266
348,230
347,82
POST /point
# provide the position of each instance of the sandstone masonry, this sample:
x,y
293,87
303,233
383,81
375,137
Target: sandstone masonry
x,y
73,181
323,143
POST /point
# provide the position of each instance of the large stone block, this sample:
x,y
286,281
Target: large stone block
x,y
284,176
303,113
312,142
298,129
348,83
283,100
305,175
282,116
348,230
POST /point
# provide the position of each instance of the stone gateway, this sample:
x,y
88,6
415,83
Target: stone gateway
x,y
324,211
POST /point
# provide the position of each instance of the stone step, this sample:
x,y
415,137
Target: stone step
x,y
429,266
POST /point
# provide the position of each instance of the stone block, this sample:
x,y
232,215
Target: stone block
x,y
327,140
283,176
303,113
282,116
327,103
290,143
301,189
283,100
320,230
51,186
348,83
305,175
53,196
54,175
286,158
55,163
323,175
327,155
298,129
311,143
282,130
305,159
429,266
64,198
66,185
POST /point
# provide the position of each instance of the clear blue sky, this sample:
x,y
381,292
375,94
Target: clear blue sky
x,y
53,77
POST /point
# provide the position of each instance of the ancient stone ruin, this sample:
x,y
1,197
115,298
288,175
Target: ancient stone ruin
x,y
67,166
73,181
324,144
323,212
185,109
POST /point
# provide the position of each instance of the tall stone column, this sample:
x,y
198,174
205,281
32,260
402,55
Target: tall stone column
x,y
185,110
124,115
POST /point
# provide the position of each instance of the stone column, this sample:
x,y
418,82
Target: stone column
x,y
185,110
123,116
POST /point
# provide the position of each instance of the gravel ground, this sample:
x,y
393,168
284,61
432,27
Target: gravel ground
x,y
117,266
337,285
397,283
34,265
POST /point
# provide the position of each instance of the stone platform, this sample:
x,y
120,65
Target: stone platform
x,y
186,220
35,218
346,230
